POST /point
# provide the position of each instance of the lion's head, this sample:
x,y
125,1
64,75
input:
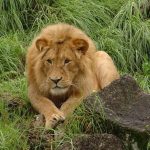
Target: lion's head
x,y
60,54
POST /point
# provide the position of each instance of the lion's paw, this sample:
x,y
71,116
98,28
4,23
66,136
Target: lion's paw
x,y
53,120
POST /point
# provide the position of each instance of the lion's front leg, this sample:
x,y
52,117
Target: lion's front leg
x,y
70,105
46,107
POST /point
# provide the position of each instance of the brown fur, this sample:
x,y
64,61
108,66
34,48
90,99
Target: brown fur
x,y
67,55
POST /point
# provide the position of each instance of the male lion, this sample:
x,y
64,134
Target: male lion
x,y
63,67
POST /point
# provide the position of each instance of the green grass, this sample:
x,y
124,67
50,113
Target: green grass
x,y
123,31
11,56
119,27
9,138
15,123
136,34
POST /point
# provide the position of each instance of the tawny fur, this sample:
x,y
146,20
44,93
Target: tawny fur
x,y
64,52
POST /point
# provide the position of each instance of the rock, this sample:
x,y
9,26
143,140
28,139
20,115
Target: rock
x,y
94,142
125,109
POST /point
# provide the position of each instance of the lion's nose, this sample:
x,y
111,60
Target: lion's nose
x,y
56,80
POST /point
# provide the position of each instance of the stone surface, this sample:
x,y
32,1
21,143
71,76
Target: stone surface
x,y
94,142
124,107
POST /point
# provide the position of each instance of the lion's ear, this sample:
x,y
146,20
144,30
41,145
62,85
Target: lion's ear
x,y
81,45
41,44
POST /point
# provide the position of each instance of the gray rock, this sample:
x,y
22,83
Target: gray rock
x,y
125,109
94,142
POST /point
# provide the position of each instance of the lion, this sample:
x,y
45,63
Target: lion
x,y
63,67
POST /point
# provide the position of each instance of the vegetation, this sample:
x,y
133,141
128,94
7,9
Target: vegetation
x,y
120,27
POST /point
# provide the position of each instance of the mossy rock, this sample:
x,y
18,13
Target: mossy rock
x,y
125,110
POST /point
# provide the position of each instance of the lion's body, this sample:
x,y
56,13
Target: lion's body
x,y
63,67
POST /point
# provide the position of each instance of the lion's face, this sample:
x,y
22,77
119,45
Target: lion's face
x,y
60,69
60,63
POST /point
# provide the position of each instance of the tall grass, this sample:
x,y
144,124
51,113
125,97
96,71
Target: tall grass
x,y
11,138
23,14
123,31
19,14
136,34
83,14
11,56
113,5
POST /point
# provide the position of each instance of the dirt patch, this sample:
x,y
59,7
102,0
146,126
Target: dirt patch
x,y
16,104
12,102
38,137
94,142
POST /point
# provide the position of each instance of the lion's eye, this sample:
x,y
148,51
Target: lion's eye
x,y
49,61
67,61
